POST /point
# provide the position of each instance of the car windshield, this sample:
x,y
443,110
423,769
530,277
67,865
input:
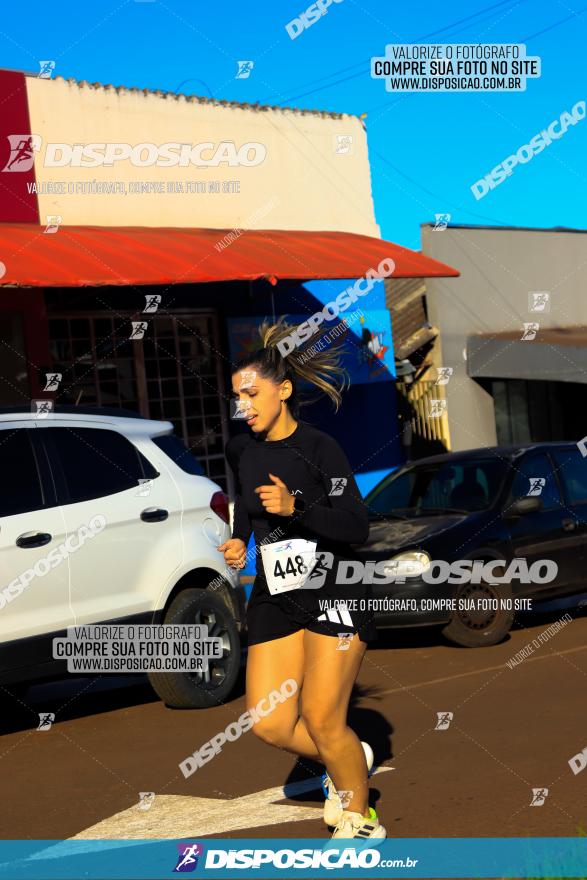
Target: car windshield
x,y
434,489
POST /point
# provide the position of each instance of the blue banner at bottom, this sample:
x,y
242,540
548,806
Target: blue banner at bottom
x,y
480,857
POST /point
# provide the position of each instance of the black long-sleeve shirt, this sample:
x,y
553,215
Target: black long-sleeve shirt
x,y
314,468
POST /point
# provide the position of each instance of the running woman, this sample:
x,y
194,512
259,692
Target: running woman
x,y
295,491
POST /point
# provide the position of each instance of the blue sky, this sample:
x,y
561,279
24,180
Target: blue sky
x,y
426,149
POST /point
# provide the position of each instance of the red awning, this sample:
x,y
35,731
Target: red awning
x,y
78,256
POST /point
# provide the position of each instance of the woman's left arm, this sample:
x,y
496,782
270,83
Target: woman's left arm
x,y
342,516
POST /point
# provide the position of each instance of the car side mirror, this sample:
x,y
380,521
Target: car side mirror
x,y
524,506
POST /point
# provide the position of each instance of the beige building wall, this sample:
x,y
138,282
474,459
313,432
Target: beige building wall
x,y
303,183
499,268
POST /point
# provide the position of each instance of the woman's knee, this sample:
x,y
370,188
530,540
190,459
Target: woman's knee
x,y
272,732
322,726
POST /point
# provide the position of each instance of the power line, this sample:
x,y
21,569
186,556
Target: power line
x,y
524,40
556,24
362,64
441,200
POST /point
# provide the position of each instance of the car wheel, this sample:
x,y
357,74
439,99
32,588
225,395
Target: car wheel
x,y
199,690
474,627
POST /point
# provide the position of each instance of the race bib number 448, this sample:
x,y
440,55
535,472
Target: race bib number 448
x,y
288,564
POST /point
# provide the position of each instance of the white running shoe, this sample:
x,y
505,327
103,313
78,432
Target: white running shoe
x,y
333,806
353,825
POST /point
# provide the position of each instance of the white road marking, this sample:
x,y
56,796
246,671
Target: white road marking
x,y
177,816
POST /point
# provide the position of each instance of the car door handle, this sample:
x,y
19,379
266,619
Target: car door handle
x,y
154,514
569,525
33,539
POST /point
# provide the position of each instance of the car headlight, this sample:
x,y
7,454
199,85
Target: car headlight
x,y
410,564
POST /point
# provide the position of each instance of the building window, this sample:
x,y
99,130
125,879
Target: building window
x,y
174,373
528,411
13,361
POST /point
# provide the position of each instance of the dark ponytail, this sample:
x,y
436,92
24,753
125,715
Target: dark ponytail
x,y
322,368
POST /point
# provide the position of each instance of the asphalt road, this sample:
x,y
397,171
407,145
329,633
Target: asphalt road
x,y
513,730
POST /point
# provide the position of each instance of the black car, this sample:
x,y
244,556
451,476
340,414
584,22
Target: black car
x,y
523,505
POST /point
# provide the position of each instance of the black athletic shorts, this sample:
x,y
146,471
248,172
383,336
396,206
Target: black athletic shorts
x,y
346,611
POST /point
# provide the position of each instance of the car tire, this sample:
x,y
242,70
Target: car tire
x,y
474,629
184,690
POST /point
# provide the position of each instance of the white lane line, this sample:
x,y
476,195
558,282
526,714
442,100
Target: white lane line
x,y
177,816
421,684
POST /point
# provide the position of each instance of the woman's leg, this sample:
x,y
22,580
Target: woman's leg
x,y
329,676
269,664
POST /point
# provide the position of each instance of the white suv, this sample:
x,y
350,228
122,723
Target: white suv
x,y
154,560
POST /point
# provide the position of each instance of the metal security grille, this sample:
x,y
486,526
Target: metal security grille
x,y
422,397
174,372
